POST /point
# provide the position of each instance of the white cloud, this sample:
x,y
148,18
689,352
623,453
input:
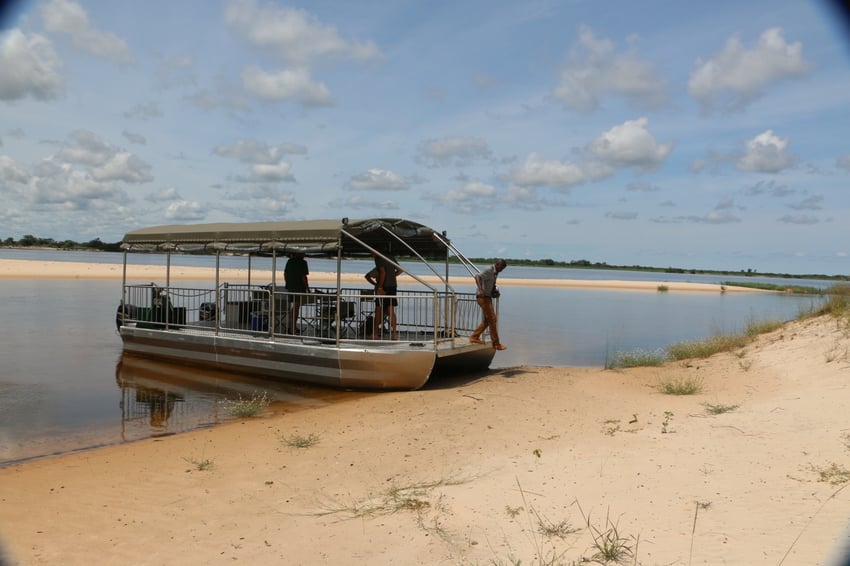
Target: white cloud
x,y
297,39
293,34
536,172
642,187
472,191
378,180
123,166
70,188
736,76
286,84
813,202
89,149
253,151
456,151
360,202
272,172
28,67
766,153
64,16
267,162
804,219
770,188
144,111
596,70
164,195
721,216
843,162
185,211
10,172
134,138
622,215
631,145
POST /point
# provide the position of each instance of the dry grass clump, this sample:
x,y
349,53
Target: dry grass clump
x,y
756,327
834,474
718,409
708,347
680,385
837,302
300,440
202,465
244,408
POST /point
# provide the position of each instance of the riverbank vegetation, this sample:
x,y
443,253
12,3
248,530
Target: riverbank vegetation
x,y
836,303
30,241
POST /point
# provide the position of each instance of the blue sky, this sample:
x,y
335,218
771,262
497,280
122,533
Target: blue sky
x,y
689,134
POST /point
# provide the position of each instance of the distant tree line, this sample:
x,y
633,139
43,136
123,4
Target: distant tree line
x,y
29,241
586,264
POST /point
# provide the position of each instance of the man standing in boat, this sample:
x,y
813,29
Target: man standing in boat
x,y
385,284
295,278
487,291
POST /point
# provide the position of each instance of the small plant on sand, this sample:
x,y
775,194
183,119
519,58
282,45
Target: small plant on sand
x,y
680,385
609,546
668,416
834,474
663,288
201,465
745,364
512,512
395,498
612,426
718,409
639,357
243,408
546,555
549,529
300,441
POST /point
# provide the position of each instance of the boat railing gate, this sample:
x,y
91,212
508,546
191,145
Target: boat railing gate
x,y
153,306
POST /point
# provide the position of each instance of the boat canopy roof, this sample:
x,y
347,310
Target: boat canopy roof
x,y
311,237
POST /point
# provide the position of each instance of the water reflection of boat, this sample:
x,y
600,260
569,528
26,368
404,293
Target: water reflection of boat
x,y
162,398
326,336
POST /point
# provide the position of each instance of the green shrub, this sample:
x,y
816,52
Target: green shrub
x,y
639,357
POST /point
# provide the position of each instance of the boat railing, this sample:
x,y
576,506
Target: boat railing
x,y
260,310
158,307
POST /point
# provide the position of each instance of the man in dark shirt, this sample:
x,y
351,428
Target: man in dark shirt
x,y
385,284
295,278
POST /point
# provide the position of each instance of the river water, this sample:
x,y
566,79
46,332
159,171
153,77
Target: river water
x,y
64,385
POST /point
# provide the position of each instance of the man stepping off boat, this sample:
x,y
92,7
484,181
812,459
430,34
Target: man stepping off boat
x,y
487,291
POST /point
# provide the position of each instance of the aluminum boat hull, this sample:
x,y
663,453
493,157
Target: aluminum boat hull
x,y
384,366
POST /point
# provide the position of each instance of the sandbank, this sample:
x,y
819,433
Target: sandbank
x,y
145,273
474,471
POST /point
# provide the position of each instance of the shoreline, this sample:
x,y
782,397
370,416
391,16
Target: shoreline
x,y
30,269
470,471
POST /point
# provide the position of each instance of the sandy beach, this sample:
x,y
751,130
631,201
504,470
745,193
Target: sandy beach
x,y
143,273
530,464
